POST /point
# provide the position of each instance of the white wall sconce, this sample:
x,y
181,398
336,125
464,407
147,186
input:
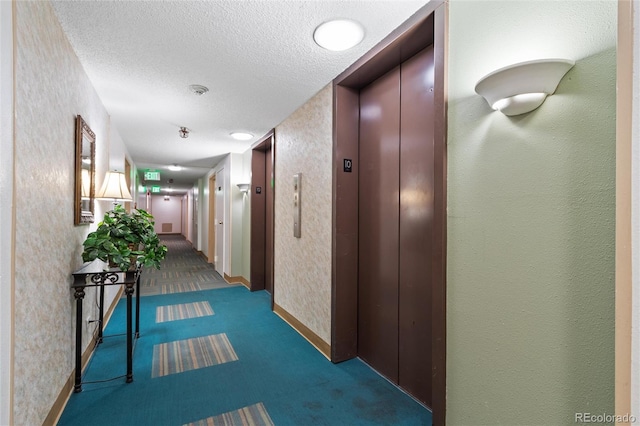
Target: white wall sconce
x,y
523,87
114,188
244,187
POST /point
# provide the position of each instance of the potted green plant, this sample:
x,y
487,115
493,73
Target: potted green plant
x,y
125,239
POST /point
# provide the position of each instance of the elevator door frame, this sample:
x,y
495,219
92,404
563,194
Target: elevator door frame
x,y
262,159
425,28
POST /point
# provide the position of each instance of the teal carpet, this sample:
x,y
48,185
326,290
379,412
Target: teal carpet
x,y
235,363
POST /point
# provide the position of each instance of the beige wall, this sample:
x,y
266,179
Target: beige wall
x,y
51,88
6,210
627,391
635,368
302,270
531,206
167,211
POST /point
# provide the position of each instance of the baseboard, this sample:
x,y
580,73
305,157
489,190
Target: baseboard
x,y
313,338
67,389
204,256
239,279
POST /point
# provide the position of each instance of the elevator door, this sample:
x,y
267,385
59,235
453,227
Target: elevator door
x,y
395,224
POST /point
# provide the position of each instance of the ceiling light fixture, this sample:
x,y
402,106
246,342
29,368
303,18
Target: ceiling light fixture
x,y
338,35
523,87
198,89
183,132
241,136
175,168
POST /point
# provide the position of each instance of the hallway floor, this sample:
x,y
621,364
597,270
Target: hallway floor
x,y
211,353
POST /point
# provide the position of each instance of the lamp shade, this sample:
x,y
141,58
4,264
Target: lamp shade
x,y
244,187
114,187
522,87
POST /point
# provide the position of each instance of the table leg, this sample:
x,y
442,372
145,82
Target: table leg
x,y
79,295
101,315
138,306
129,289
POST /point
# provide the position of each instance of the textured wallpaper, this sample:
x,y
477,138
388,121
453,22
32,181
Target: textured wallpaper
x,y
302,270
51,88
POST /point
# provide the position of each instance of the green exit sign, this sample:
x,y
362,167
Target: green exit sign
x,y
155,189
152,175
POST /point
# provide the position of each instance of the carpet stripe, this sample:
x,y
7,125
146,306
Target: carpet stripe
x,y
191,354
183,311
180,288
253,415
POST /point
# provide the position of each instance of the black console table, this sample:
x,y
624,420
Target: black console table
x,y
94,275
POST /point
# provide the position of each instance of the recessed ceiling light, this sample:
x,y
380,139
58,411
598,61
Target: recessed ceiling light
x,y
175,168
338,35
241,136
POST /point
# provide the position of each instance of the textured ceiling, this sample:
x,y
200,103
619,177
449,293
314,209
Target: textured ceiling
x,y
257,58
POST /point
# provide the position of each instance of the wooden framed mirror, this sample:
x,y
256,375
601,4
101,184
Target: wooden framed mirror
x,y
85,173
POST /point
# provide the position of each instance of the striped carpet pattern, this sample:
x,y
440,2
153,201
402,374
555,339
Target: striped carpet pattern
x,y
191,354
183,271
183,311
253,415
179,288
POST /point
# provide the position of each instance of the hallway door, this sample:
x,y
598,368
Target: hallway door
x,y
396,224
219,222
211,240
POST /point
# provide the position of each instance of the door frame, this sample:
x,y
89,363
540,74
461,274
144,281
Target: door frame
x,y
212,217
258,211
426,27
220,250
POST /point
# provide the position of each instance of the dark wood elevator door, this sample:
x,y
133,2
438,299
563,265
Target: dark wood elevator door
x,y
396,224
378,222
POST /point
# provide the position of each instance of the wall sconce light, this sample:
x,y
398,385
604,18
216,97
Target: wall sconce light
x,y
522,87
114,188
244,187
183,132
